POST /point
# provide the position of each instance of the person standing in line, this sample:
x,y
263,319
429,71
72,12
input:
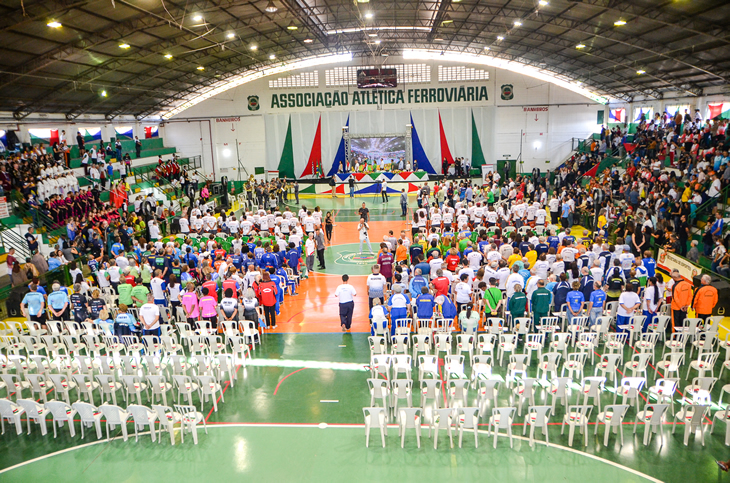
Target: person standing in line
x,y
363,229
384,191
310,247
403,202
149,315
595,303
296,191
138,147
705,299
681,299
628,303
267,292
376,286
346,293
351,184
319,240
540,302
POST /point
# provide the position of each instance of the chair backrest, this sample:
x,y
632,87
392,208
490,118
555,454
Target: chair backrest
x,y
661,322
611,361
560,339
618,413
401,387
632,385
698,411
657,416
539,416
603,322
488,387
690,324
522,325
427,359
667,386
536,338
377,344
443,342
454,362
59,409
708,359
465,340
31,407
422,342
485,342
468,417
86,411
518,362
481,359
552,359
579,414
430,388
704,383
402,360
592,385
503,417
112,413
140,414
207,384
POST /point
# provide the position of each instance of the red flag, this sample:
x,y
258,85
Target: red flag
x,y
315,155
715,110
148,132
54,137
592,172
445,151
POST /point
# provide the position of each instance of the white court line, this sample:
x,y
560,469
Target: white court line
x,y
347,426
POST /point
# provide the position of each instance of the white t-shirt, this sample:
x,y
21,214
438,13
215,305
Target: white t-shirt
x,y
156,286
184,225
463,293
148,313
345,292
113,274
628,299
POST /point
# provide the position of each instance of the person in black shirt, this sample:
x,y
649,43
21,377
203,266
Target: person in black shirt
x,y
364,213
138,146
80,304
31,239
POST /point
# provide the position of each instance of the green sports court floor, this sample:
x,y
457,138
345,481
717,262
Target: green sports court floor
x,y
295,414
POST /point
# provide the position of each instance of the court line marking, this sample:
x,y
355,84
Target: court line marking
x,y
284,378
342,426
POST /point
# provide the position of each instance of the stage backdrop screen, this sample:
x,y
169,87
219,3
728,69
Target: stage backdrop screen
x,y
371,150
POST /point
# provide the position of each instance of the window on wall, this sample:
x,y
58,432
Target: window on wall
x,y
461,73
414,73
343,76
303,79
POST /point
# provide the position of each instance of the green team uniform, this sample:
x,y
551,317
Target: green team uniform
x,y
541,299
517,304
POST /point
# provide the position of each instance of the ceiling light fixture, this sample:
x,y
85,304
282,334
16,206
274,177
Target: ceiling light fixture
x,y
54,25
230,35
373,35
486,47
198,18
543,3
272,56
270,7
254,47
168,56
447,20
377,42
580,46
641,71
363,1
124,46
103,93
200,67
369,15
518,23
500,37
308,41
292,26
439,39
619,23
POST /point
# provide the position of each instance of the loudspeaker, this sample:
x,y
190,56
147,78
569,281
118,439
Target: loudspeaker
x,y
14,299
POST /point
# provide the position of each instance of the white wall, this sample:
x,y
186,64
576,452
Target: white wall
x,y
192,138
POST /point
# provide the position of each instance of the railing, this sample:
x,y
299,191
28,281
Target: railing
x,y
11,239
703,212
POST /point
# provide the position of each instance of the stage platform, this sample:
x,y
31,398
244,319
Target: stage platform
x,y
374,177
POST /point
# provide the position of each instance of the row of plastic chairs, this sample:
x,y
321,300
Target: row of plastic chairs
x,y
159,418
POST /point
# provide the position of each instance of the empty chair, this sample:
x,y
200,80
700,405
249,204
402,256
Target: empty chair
x,y
39,385
379,390
170,344
705,362
587,343
215,344
574,365
167,419
533,343
615,342
223,365
108,387
575,327
442,343
401,365
115,416
537,417
380,366
603,323
721,415
549,363
86,385
457,390
560,343
465,343
560,389
607,366
454,367
592,387
692,415
62,384
90,416
612,418
481,367
240,350
704,342
468,418
154,365
62,413
638,364
133,386
507,343
14,384
378,344
93,345
676,343
379,416
442,419
400,389
670,364
203,365
430,391
629,390
409,418
485,343
501,418
525,391
130,365
517,366
403,326
663,391
142,416
647,343
700,384
488,390
209,386
428,365
421,344
659,325
11,412
400,344
159,388
577,416
34,412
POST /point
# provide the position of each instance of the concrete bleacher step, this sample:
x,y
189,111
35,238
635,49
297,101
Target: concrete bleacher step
x,y
79,172
146,153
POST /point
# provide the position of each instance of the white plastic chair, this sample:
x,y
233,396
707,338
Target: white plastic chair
x,y
468,419
115,416
607,366
167,419
574,365
430,392
507,343
705,362
488,390
62,413
90,416
209,386
537,417
133,386
560,389
638,364
548,364
380,416
577,416
380,365
428,365
11,412
524,391
663,391
629,390
481,366
34,412
159,388
693,416
142,416
612,418
108,387
534,343
377,344
670,364
409,418
592,387
501,418
400,389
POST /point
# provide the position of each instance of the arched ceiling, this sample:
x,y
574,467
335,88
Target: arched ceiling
x,y
143,57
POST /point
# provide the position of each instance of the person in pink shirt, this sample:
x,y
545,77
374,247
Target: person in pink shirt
x,y
208,306
189,301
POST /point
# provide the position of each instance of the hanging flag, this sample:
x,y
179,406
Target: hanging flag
x,y
445,151
340,156
477,154
286,162
54,137
315,155
719,110
125,132
617,115
147,132
419,154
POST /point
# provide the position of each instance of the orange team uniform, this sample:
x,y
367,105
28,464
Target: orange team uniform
x,y
401,253
705,300
681,297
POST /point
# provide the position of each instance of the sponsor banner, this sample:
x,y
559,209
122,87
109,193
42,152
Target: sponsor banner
x,y
671,261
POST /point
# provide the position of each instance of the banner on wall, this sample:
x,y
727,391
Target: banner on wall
x,y
124,132
617,115
151,132
671,261
643,113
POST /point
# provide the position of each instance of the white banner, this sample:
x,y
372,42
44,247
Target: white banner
x,y
671,261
